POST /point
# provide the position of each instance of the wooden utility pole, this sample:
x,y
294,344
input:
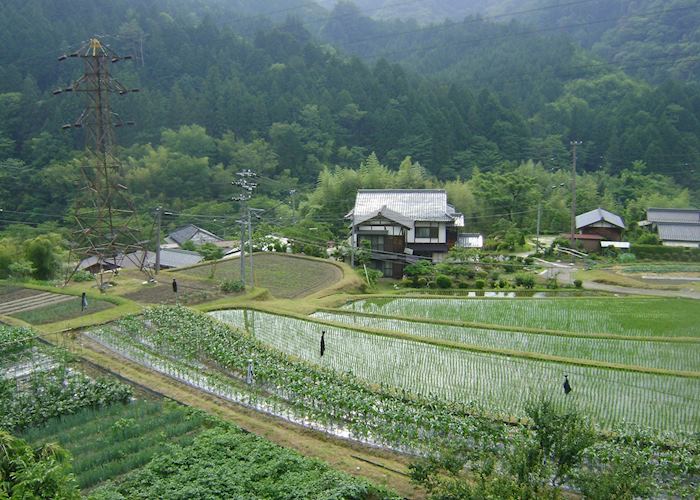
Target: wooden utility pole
x,y
573,193
159,212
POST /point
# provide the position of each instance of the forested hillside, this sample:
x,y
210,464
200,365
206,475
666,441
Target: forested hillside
x,y
653,39
224,88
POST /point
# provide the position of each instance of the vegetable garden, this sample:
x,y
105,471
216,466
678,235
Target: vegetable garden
x,y
118,444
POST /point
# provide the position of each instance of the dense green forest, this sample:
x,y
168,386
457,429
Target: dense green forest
x,y
311,98
653,39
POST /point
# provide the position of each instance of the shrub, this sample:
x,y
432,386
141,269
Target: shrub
x,y
82,275
471,274
525,280
578,283
231,286
443,281
463,285
626,257
658,252
21,269
502,283
421,282
480,284
648,238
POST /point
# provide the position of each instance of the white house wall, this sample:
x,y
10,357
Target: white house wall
x,y
685,244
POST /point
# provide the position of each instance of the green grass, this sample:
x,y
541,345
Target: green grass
x,y
61,311
282,275
111,441
665,317
501,383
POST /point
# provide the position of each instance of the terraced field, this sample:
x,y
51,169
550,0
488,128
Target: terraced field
x,y
502,383
619,316
38,307
678,356
284,276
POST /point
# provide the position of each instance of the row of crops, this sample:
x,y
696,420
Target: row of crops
x,y
502,383
620,316
38,382
213,356
109,441
216,360
678,356
121,447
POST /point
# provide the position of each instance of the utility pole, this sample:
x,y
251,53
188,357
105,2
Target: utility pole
x,y
292,193
242,247
573,193
539,219
159,212
247,187
250,239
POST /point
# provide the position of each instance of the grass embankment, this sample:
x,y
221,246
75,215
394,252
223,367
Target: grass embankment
x,y
110,441
284,276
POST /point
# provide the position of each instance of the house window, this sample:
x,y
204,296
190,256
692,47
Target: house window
x,y
376,242
388,269
432,232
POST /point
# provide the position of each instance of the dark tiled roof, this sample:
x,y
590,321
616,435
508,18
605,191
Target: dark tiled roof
x,y
186,233
429,205
673,215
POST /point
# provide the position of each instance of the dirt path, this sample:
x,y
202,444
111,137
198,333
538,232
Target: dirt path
x,y
592,285
379,466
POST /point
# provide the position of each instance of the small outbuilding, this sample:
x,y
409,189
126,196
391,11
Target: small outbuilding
x,y
601,222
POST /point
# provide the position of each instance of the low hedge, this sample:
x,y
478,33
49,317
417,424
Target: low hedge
x,y
659,252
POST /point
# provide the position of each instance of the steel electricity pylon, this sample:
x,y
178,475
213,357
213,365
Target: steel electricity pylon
x,y
103,210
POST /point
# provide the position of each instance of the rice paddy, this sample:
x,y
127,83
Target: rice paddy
x,y
632,317
500,383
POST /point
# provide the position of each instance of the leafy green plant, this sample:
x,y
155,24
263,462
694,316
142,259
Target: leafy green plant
x,y
82,276
443,281
232,286
44,472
